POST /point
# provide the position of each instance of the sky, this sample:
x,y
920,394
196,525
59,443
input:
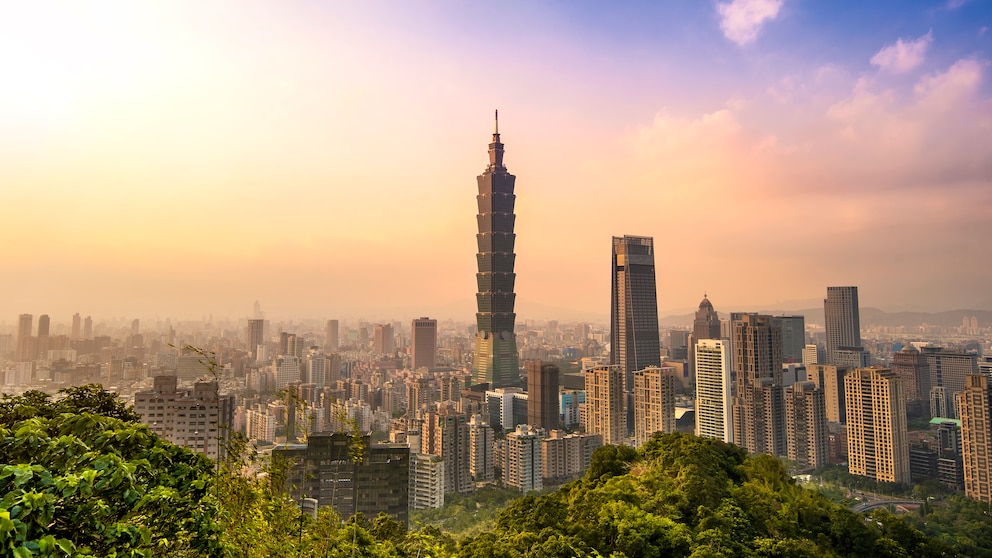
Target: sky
x,y
185,159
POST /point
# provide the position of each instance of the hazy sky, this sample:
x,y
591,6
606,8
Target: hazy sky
x,y
178,159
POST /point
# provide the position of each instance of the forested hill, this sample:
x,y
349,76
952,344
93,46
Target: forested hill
x,y
79,477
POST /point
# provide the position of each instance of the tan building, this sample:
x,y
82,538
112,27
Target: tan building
x,y
830,379
481,456
446,433
806,425
523,466
604,411
199,418
423,343
654,402
567,456
877,438
975,403
759,424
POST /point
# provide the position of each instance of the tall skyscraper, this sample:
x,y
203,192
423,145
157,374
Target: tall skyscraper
x,y
911,365
949,371
383,342
634,339
44,328
542,395
496,359
975,403
714,416
830,379
604,411
88,327
793,337
25,342
331,336
77,322
759,421
842,320
877,437
423,343
654,402
446,433
254,337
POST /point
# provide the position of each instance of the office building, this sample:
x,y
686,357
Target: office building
x,y
88,328
949,371
331,336
199,418
714,388
604,411
329,470
634,337
813,354
255,338
495,360
793,337
806,426
41,343
877,438
852,357
759,421
523,465
975,402
542,395
654,402
77,324
25,341
707,323
423,343
842,320
912,367
383,342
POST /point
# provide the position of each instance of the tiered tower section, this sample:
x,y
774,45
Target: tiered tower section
x,y
496,359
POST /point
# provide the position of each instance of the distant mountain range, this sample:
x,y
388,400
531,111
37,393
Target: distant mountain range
x,y
869,317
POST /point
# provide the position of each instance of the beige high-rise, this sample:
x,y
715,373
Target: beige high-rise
x,y
654,402
975,403
830,379
604,411
877,439
806,425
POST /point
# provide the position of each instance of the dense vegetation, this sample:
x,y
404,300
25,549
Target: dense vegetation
x,y
80,477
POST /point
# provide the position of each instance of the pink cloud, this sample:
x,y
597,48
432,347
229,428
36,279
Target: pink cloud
x,y
903,56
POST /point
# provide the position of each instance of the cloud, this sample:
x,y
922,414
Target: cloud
x,y
903,56
741,20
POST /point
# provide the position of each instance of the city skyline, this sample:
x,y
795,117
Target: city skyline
x,y
165,160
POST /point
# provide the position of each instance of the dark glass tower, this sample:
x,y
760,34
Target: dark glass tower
x,y
496,359
634,340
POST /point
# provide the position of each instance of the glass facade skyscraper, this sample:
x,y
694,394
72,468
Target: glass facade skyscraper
x,y
634,340
496,361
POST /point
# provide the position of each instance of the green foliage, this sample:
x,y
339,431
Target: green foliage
x,y
467,514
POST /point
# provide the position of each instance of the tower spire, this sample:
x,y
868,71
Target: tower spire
x,y
496,129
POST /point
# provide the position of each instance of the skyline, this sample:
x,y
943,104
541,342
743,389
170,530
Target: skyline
x,y
177,160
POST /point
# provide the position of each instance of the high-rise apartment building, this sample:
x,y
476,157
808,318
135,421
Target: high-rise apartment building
x,y
842,320
383,342
523,465
331,336
830,379
654,402
423,343
255,338
77,323
604,411
481,457
806,425
496,361
975,402
542,395
25,341
42,342
877,438
88,328
567,456
813,354
714,389
446,432
634,338
759,421
199,419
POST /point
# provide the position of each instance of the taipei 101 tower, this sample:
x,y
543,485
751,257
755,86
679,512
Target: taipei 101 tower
x,y
496,360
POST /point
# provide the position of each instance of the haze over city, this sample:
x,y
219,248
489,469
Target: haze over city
x,y
185,159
